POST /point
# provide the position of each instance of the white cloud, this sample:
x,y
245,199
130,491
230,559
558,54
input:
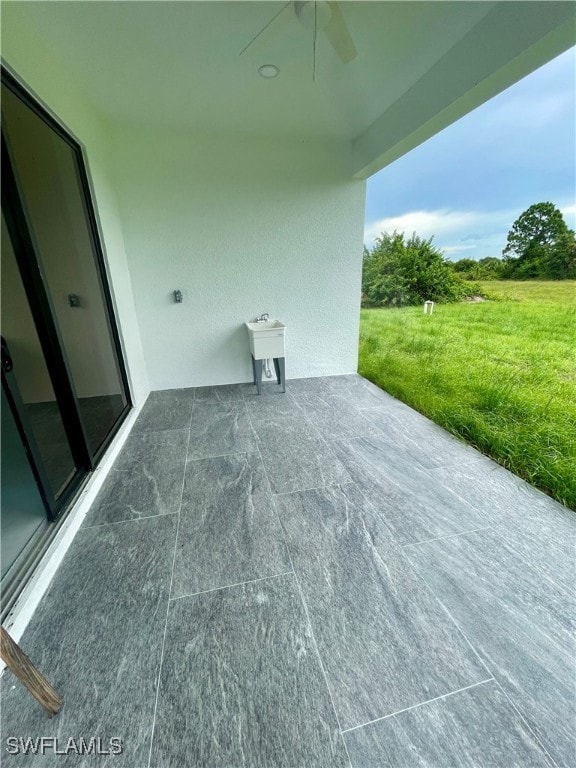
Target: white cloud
x,y
569,213
459,234
424,223
454,232
450,249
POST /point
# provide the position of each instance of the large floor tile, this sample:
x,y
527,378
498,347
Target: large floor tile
x,y
307,386
546,543
414,505
296,457
430,445
229,531
146,479
225,393
218,429
541,531
484,485
271,405
476,728
166,409
385,641
335,416
361,392
497,491
268,389
521,623
97,637
241,684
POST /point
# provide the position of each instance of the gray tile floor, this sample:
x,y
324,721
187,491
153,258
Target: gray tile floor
x,y
322,578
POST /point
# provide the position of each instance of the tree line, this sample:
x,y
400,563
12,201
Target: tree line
x,y
399,271
540,246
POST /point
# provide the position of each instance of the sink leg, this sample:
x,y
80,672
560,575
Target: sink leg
x,y
282,372
258,369
254,368
277,369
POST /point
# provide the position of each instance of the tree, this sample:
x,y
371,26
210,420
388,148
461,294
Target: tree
x,y
491,268
464,265
488,268
540,244
397,272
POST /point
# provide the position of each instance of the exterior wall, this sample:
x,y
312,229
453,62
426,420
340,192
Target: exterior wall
x,y
31,62
241,226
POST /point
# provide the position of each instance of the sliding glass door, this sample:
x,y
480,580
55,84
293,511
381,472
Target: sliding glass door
x,y
63,376
52,186
23,511
28,385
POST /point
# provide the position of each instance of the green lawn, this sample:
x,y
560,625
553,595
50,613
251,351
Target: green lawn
x,y
501,374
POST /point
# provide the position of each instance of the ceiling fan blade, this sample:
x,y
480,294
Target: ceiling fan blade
x,y
271,27
338,35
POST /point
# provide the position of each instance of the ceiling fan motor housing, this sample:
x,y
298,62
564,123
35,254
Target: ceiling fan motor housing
x,y
307,10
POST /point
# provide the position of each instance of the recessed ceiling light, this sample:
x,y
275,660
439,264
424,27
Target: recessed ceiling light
x,y
269,70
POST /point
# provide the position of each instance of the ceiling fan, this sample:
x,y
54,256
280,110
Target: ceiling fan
x,y
318,16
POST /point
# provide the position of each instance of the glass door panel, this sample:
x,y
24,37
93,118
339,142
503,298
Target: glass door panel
x,y
29,376
53,194
23,514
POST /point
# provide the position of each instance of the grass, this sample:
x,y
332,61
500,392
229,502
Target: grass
x,y
500,374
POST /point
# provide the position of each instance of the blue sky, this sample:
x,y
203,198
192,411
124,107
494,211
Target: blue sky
x,y
468,184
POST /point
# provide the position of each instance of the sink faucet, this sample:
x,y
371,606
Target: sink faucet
x,y
263,318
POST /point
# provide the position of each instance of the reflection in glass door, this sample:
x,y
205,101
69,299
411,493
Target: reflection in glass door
x,y
23,512
28,380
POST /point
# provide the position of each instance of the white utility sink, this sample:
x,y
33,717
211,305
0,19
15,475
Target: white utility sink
x,y
266,339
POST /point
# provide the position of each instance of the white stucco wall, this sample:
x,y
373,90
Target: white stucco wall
x,y
28,57
241,226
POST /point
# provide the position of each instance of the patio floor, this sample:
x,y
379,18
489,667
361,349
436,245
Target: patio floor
x,y
323,578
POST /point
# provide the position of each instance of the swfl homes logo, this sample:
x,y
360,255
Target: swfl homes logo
x,y
43,745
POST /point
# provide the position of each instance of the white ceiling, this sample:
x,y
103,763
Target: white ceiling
x,y
178,62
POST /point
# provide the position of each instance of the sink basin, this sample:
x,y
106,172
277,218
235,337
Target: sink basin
x,y
266,339
268,325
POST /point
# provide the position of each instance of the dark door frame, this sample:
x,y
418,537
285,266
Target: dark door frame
x,y
43,315
34,281
10,81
